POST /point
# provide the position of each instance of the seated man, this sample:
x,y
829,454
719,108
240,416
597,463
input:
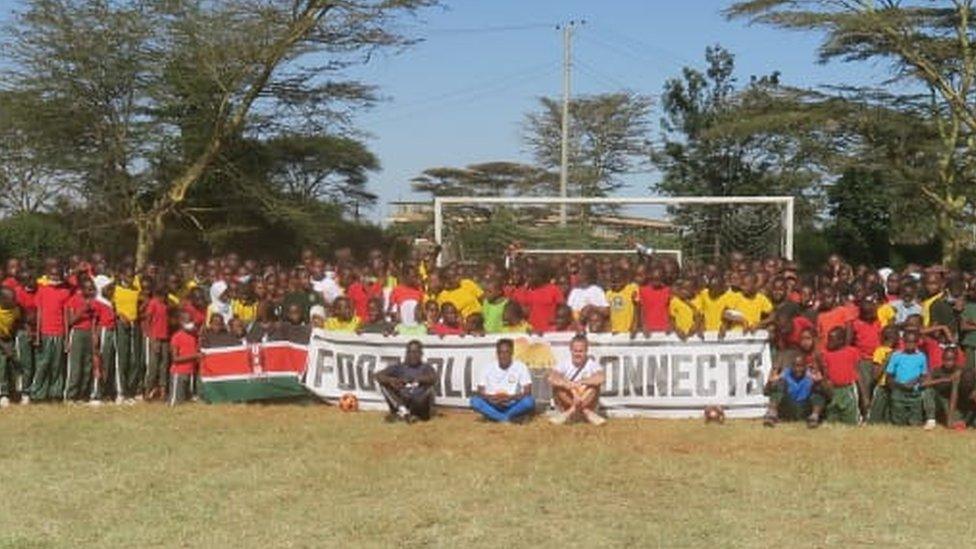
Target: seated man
x,y
505,389
408,386
794,395
576,385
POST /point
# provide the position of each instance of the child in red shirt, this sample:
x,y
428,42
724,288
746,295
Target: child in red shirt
x,y
654,298
185,351
50,300
540,300
81,327
156,315
408,289
107,378
838,368
866,330
450,322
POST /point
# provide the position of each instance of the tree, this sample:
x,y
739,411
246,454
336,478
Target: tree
x,y
322,168
487,179
607,138
706,151
928,47
479,231
144,97
34,235
860,217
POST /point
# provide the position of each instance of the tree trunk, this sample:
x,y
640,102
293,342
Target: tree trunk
x,y
148,232
949,240
144,245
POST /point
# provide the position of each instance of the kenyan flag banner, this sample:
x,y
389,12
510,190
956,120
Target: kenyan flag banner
x,y
258,371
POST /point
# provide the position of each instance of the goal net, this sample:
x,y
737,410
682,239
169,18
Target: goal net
x,y
699,229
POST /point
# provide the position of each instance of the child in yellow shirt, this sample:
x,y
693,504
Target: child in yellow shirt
x,y
879,405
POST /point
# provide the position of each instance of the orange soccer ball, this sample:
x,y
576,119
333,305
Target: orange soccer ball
x,y
714,414
348,403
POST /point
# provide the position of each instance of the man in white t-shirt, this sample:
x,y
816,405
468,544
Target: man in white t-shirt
x,y
505,387
576,385
587,294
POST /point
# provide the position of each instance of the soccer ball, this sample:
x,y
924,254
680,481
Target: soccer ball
x,y
714,414
348,403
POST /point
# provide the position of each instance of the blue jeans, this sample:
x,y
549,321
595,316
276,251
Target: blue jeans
x,y
503,412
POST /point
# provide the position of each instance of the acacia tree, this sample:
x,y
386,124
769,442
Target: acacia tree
x,y
28,182
322,168
607,138
499,178
143,97
928,45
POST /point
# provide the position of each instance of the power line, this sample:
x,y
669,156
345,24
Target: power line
x,y
601,76
635,55
471,95
498,80
641,46
491,29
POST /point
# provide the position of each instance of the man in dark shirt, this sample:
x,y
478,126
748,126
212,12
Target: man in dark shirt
x,y
408,386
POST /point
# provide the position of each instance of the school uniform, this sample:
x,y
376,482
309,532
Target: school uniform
x,y
128,339
9,319
49,369
109,384
80,349
867,338
623,308
24,341
157,344
841,372
794,398
183,343
881,396
907,403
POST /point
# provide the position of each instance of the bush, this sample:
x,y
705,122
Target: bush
x,y
34,237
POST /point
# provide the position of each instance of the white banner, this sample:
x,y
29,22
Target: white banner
x,y
658,376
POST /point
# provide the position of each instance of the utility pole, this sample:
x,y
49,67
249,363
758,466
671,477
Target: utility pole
x,y
567,79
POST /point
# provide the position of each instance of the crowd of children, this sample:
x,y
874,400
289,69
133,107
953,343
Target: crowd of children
x,y
850,343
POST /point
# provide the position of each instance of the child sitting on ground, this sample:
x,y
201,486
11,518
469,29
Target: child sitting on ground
x,y
793,395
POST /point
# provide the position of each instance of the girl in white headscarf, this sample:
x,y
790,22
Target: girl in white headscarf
x,y
219,304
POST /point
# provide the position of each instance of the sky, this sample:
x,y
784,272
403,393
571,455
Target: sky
x,y
459,97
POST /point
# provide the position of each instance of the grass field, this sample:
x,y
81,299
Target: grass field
x,y
310,476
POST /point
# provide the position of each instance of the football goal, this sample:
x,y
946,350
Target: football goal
x,y
690,228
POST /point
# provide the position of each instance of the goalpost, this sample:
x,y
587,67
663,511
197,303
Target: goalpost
x,y
694,227
598,251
